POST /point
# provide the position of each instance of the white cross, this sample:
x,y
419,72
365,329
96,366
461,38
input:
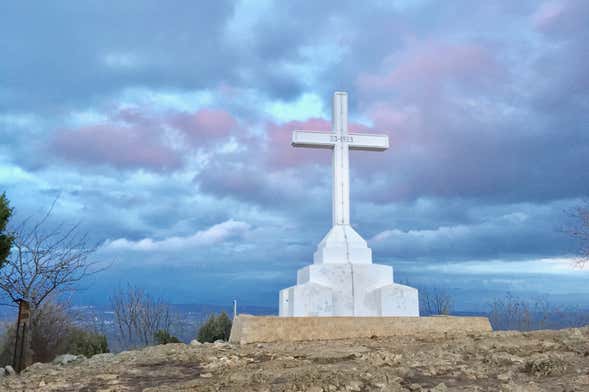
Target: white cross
x,y
341,141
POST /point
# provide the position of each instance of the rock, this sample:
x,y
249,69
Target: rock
x,y
107,377
415,387
64,359
9,370
206,375
35,367
315,389
354,386
441,387
576,333
195,342
104,357
220,344
403,372
2,372
219,341
505,376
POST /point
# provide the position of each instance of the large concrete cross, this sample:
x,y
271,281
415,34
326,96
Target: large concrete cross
x,y
341,141
343,281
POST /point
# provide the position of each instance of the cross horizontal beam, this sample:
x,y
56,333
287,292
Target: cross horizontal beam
x,y
355,141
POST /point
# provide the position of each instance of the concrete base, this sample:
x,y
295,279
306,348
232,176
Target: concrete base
x,y
251,329
346,289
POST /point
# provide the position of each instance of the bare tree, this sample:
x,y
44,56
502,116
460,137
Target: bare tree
x,y
138,316
513,313
436,301
510,313
46,260
580,231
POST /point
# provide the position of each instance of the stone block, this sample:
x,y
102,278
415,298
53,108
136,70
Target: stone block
x,y
397,300
254,329
306,299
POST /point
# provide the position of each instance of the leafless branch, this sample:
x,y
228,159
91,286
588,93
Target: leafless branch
x,y
46,260
138,316
436,301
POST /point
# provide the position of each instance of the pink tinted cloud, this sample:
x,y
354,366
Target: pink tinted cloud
x,y
565,18
429,64
132,138
547,14
205,124
120,146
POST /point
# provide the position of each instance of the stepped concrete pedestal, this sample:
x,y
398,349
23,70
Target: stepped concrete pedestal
x,y
342,281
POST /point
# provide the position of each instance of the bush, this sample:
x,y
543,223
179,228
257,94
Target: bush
x,y
86,343
163,337
53,332
215,328
51,325
7,350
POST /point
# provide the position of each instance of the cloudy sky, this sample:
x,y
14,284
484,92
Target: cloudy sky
x,y
164,128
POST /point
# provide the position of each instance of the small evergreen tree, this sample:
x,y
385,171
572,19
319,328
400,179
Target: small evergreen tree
x,y
163,337
215,328
5,238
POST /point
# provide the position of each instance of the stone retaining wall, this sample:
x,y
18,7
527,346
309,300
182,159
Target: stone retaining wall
x,y
250,329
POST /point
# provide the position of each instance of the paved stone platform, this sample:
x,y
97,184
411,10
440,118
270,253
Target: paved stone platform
x,y
252,329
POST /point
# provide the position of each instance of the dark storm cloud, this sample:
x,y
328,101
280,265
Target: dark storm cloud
x,y
71,53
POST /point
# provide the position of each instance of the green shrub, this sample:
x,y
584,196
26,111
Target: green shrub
x,y
215,328
5,238
163,337
86,343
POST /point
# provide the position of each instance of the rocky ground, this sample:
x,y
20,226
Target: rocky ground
x,y
498,361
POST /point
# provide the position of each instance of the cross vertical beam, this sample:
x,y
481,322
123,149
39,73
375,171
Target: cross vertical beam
x,y
341,161
341,141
